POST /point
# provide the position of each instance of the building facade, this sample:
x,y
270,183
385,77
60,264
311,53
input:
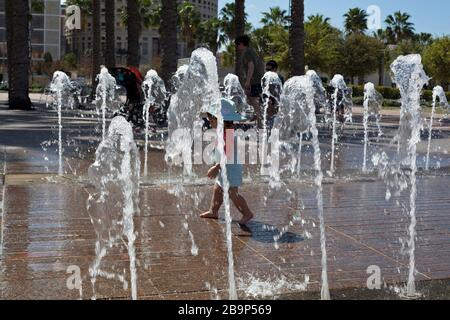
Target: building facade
x,y
45,29
80,41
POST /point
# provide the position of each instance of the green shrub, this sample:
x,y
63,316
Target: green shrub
x,y
389,92
386,92
358,100
393,93
391,103
358,91
36,88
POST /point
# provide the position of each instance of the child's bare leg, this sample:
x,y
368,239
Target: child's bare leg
x,y
241,204
216,202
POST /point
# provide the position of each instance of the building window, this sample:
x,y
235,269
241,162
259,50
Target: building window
x,y
37,36
37,22
52,37
37,51
145,49
52,22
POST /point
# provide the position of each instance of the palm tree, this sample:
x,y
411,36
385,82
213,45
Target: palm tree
x,y
227,21
168,32
210,34
96,40
18,47
189,19
227,14
297,38
262,42
149,14
275,17
399,27
322,44
110,22
355,21
423,39
382,36
134,31
319,19
239,15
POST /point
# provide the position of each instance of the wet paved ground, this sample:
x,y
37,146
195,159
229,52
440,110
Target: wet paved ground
x,y
46,229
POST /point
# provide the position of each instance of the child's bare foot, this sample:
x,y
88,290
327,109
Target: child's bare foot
x,y
246,218
209,215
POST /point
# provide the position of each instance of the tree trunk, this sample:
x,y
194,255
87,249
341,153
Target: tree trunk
x,y
190,45
297,38
169,42
134,31
110,21
18,47
381,71
239,21
96,40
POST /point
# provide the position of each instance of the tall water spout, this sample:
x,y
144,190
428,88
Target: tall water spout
x,y
199,90
272,88
105,93
234,92
410,78
341,99
438,92
155,95
297,115
115,201
373,101
61,87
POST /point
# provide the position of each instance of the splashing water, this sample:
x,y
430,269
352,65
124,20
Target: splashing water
x,y
254,287
179,190
297,115
105,93
373,101
408,74
299,159
115,201
234,92
199,90
178,78
272,88
342,104
155,95
61,88
438,92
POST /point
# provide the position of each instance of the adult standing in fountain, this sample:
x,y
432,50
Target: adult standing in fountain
x,y
253,70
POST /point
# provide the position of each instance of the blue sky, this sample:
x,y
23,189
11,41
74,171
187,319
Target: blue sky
x,y
431,16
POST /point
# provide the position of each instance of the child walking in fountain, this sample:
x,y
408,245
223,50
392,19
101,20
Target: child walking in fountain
x,y
234,169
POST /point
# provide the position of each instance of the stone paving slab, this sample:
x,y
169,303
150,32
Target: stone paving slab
x,y
47,227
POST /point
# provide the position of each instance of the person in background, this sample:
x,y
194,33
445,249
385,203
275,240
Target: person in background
x,y
253,70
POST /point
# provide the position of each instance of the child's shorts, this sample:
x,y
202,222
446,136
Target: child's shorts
x,y
234,174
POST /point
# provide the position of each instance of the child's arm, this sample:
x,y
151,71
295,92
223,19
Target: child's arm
x,y
213,171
